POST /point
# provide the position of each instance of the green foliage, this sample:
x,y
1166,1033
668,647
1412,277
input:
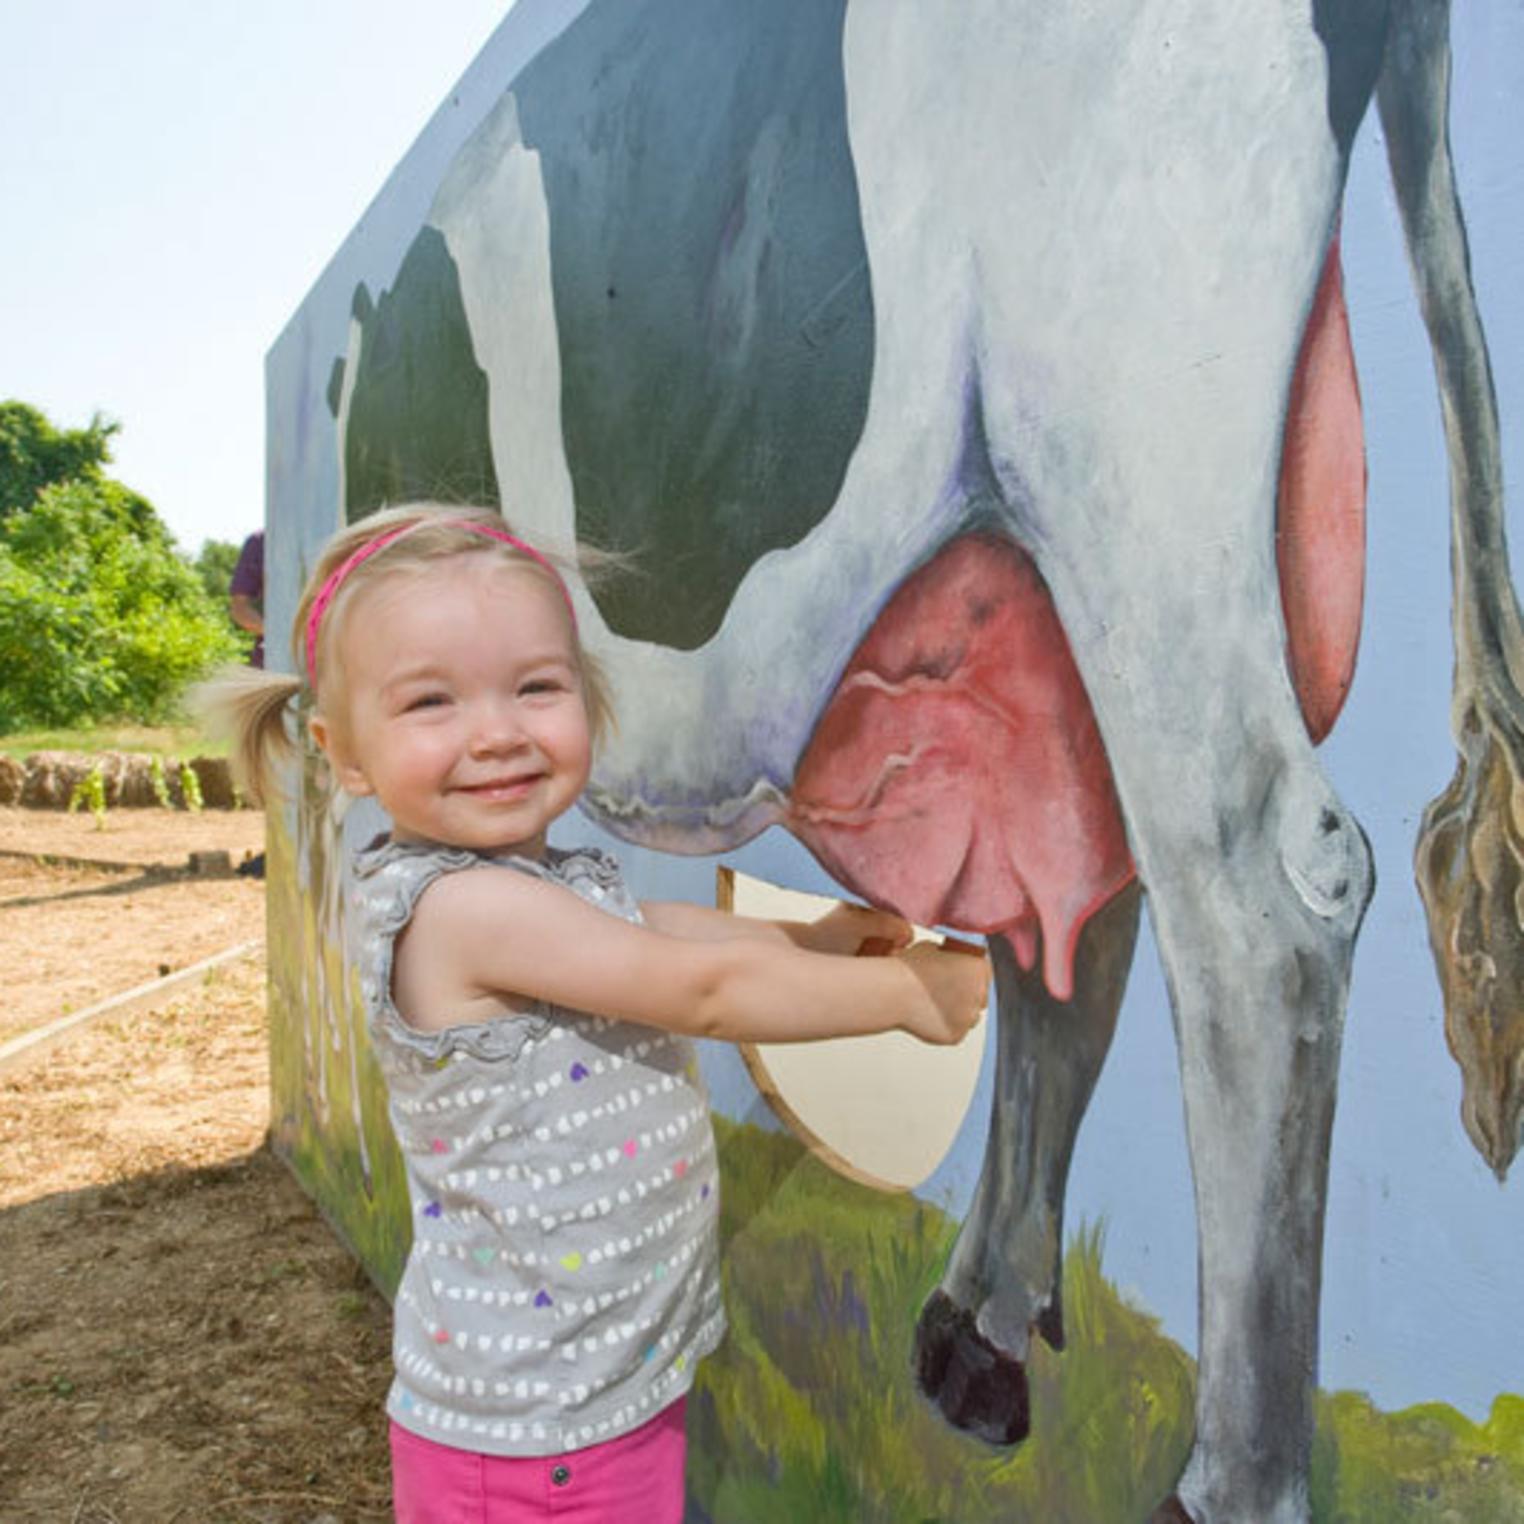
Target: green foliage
x,y
100,617
159,783
1425,1463
34,454
188,779
214,565
90,791
190,788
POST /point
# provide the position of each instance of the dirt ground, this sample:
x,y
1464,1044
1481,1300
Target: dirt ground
x,y
181,1337
72,936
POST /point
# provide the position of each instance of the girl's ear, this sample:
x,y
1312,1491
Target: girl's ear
x,y
346,772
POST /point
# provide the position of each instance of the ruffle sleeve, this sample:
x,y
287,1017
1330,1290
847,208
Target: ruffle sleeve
x,y
392,878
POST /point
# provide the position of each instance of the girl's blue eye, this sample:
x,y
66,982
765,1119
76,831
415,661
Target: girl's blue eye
x,y
425,701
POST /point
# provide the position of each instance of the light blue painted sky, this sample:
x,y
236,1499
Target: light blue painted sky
x,y
174,174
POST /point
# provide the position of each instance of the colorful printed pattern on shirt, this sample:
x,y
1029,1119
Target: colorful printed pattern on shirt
x,y
563,1278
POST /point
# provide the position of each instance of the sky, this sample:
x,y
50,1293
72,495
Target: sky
x,y
174,175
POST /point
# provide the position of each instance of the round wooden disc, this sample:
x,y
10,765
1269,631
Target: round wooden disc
x,y
883,1110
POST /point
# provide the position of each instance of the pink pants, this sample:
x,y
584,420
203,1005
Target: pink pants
x,y
638,1476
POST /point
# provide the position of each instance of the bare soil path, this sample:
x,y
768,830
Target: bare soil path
x,y
71,936
182,1339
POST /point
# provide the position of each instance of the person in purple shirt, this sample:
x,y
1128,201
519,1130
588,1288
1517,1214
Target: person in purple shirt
x,y
246,605
246,594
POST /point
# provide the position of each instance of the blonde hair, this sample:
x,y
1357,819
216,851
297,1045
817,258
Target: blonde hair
x,y
251,706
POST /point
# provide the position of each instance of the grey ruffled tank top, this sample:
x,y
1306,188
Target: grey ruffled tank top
x,y
563,1279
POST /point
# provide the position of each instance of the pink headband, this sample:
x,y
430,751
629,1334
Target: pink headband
x,y
335,580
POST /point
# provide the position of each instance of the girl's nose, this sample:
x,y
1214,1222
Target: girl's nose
x,y
496,729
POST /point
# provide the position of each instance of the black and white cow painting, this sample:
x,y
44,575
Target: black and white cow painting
x,y
975,395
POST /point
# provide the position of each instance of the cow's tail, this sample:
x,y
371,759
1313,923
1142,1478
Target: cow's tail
x,y
1413,93
1470,851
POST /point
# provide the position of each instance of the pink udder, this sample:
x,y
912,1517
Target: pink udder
x,y
1320,526
958,776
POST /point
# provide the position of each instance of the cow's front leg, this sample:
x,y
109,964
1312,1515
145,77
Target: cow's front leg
x,y
1003,1279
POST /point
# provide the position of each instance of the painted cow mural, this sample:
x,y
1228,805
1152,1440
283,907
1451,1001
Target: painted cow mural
x,y
997,490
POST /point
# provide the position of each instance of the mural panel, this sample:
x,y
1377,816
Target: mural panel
x,y
978,406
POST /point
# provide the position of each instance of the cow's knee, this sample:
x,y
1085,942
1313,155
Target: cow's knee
x,y
1263,903
1285,849
1325,856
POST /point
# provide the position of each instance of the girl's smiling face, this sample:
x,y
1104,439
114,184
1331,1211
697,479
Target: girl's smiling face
x,y
465,715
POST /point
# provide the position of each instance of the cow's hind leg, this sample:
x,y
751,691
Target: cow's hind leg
x,y
1257,878
1003,1279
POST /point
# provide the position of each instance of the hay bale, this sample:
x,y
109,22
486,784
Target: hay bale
x,y
129,779
47,780
12,780
50,779
216,779
126,778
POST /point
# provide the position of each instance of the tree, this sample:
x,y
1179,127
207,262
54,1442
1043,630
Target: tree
x,y
100,616
34,454
214,565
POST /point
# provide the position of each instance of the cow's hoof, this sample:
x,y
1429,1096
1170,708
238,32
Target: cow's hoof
x,y
1170,1511
977,1387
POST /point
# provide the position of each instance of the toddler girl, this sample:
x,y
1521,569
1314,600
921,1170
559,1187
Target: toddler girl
x,y
534,1026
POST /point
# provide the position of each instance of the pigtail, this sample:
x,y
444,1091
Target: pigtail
x,y
250,708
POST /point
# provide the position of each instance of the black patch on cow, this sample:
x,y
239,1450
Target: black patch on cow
x,y
711,288
335,389
1353,33
418,415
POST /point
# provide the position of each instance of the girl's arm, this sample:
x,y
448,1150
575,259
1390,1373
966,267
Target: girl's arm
x,y
486,936
847,929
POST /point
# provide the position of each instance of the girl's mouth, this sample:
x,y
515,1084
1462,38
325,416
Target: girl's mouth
x,y
501,788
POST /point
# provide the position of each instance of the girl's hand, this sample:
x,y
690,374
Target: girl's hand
x,y
956,979
855,931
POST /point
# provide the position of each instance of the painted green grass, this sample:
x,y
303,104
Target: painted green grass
x,y
185,740
328,1099
809,1410
1425,1463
